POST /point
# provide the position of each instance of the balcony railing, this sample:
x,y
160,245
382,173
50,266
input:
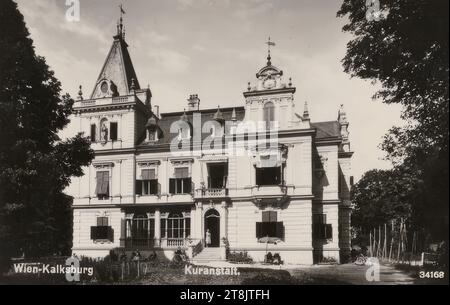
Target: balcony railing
x,y
211,193
173,242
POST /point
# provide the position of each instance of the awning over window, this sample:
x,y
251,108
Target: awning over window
x,y
148,174
269,158
181,172
102,187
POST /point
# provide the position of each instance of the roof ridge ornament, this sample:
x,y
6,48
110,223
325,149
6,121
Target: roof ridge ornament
x,y
184,116
218,116
233,115
80,93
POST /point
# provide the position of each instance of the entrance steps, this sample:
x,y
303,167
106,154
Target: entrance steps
x,y
207,255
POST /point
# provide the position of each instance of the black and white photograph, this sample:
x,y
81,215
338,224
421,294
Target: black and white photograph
x,y
230,145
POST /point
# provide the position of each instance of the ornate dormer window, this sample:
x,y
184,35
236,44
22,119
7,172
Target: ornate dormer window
x,y
184,130
153,131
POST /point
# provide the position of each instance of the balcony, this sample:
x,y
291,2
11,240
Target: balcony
x,y
269,193
211,193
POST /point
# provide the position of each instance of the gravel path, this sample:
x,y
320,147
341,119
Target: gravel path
x,y
351,274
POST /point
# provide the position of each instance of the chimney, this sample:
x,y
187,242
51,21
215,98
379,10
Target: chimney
x,y
193,102
157,111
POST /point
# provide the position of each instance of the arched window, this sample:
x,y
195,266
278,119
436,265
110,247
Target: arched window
x,y
141,228
176,226
269,114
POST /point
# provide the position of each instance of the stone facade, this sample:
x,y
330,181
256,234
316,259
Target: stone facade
x,y
140,194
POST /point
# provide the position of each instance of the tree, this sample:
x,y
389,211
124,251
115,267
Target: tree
x,y
381,196
35,164
406,51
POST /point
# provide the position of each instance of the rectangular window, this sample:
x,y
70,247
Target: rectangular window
x,y
93,132
102,187
182,183
113,131
321,230
217,175
270,227
268,176
148,185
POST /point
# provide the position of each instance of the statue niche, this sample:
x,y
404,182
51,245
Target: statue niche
x,y
103,132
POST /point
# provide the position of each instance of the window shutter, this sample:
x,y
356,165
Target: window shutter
x,y
93,233
259,176
113,130
138,187
258,229
154,187
98,185
328,231
105,184
187,185
93,132
280,230
110,234
172,186
102,183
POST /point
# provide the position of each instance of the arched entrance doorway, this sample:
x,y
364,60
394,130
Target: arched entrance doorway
x,y
212,223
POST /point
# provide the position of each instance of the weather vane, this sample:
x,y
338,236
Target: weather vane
x,y
120,26
269,44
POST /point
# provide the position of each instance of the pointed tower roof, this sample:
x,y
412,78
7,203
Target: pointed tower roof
x,y
117,76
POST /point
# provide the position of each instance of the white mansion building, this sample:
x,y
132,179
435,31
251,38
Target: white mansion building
x,y
289,196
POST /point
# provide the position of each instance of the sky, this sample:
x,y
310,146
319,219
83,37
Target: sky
x,y
213,48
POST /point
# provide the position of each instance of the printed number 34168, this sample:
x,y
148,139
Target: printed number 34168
x,y
431,274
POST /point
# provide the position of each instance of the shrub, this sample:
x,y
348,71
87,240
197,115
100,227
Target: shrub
x,y
328,260
240,257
